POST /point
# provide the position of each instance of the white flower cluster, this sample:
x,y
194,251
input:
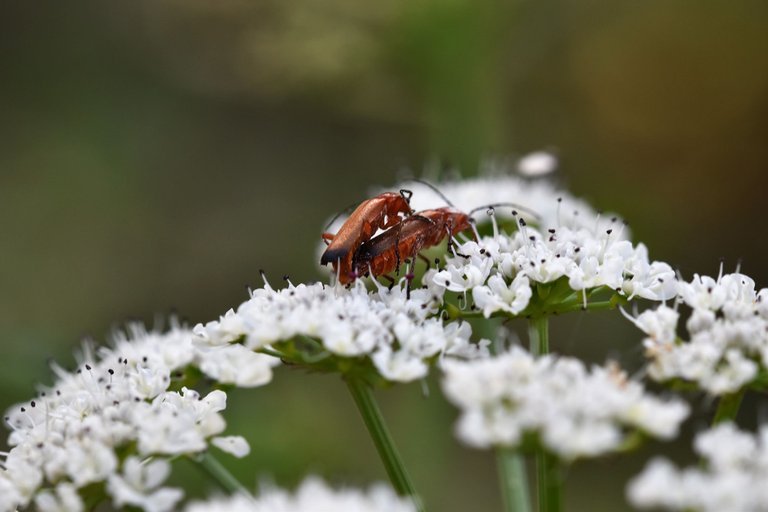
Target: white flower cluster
x,y
575,412
728,334
559,236
399,335
500,271
70,436
313,496
733,477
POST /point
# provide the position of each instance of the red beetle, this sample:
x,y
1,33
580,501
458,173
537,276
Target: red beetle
x,y
380,212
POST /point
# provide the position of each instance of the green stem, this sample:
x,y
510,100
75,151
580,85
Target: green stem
x,y
514,480
728,407
221,474
385,445
579,306
563,307
549,482
513,473
270,352
538,335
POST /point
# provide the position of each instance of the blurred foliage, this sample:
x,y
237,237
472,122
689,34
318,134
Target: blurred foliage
x,y
155,154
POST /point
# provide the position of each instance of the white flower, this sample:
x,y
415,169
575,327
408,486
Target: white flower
x,y
740,296
649,280
139,485
89,461
178,423
70,435
222,331
22,472
724,446
10,497
456,334
235,364
659,324
703,292
700,320
398,366
537,164
575,412
732,477
64,498
660,485
312,496
734,294
497,295
601,262
501,271
399,335
727,342
465,273
234,445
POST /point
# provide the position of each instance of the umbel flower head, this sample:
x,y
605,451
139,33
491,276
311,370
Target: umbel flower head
x,y
557,247
558,244
100,423
502,271
732,476
398,335
313,495
571,411
726,348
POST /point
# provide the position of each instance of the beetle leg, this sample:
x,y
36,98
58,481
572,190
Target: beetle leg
x,y
451,243
452,247
409,278
457,253
449,237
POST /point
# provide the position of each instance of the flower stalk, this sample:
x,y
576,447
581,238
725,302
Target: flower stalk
x,y
513,479
550,482
362,394
220,474
728,407
548,470
538,335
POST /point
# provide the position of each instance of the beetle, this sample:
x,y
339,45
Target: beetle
x,y
383,254
380,212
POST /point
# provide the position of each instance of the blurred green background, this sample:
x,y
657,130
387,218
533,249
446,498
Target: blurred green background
x,y
155,154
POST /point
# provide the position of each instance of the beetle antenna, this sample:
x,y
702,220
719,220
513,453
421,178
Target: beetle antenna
x,y
434,189
512,205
